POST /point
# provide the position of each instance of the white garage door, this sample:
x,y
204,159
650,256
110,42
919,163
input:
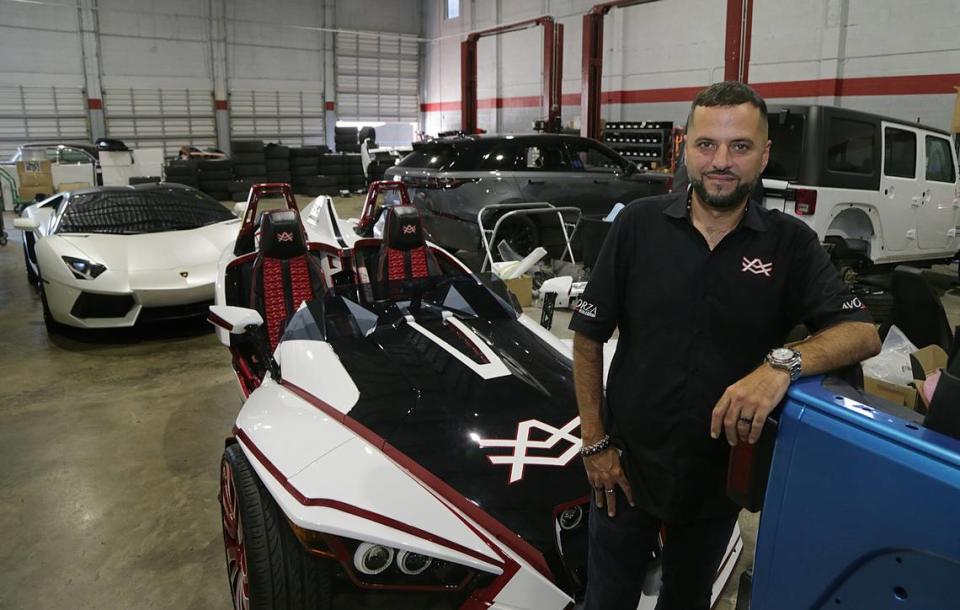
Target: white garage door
x,y
294,118
160,118
377,77
41,114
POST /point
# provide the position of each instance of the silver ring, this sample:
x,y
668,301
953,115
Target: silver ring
x,y
609,491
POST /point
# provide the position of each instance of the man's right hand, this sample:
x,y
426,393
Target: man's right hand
x,y
605,473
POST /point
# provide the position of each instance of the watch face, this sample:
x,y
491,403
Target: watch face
x,y
782,353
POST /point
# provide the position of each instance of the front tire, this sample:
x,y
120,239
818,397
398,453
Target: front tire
x,y
53,327
521,234
267,568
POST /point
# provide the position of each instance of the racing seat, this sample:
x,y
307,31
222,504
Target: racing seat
x,y
285,274
404,254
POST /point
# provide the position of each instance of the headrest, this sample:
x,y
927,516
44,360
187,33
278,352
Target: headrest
x,y
281,235
403,230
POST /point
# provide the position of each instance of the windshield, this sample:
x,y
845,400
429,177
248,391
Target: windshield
x,y
357,310
134,211
786,150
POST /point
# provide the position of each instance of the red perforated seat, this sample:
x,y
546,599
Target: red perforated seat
x,y
404,255
284,274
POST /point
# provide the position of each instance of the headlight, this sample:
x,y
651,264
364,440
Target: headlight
x,y
83,269
372,559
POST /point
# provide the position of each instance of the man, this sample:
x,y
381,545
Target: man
x,y
704,287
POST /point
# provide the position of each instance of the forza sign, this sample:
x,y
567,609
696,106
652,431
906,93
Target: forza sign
x,y
544,452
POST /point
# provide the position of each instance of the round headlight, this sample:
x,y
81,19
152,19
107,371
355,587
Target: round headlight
x,y
412,563
372,558
570,518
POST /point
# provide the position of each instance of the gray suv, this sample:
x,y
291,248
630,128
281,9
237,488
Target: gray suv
x,y
451,179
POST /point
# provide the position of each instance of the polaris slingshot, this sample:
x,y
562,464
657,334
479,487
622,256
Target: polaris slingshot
x,y
407,435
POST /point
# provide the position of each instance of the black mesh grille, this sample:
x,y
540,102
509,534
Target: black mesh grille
x,y
90,305
174,312
141,211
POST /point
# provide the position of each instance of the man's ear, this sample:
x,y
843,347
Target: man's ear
x,y
766,155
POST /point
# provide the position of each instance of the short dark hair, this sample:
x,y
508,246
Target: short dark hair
x,y
729,93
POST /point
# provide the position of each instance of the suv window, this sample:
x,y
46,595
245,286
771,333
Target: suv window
x,y
505,157
439,156
589,157
544,156
899,153
786,152
939,160
73,155
850,146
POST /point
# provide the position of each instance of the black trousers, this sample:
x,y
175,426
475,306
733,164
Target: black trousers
x,y
619,551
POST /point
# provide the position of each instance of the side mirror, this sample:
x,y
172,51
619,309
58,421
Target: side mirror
x,y
234,320
25,224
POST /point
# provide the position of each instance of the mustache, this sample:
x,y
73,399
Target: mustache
x,y
721,172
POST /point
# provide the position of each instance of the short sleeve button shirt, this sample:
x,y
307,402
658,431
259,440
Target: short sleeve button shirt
x,y
693,321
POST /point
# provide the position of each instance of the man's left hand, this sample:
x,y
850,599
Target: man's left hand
x,y
745,405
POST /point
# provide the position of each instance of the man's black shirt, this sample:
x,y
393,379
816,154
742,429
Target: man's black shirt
x,y
692,322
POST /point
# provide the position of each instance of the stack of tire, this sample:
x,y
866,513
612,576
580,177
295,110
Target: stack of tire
x,y
182,171
337,167
215,176
308,175
249,167
347,139
277,160
356,180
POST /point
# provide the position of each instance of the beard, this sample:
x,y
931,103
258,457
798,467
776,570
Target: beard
x,y
722,202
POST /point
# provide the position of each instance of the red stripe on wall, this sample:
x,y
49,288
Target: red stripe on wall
x,y
220,104
921,84
95,103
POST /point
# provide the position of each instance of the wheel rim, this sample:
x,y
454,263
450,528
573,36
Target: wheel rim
x,y
233,540
521,237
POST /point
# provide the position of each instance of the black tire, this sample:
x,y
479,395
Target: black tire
x,y
214,185
132,180
191,181
276,151
345,131
277,165
53,327
255,169
279,573
220,195
298,170
279,177
246,158
246,146
215,165
316,181
521,233
32,278
306,151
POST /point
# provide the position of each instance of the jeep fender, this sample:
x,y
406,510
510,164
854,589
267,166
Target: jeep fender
x,y
858,225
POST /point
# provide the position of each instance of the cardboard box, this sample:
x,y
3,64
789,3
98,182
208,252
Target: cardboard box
x,y
927,360
30,192
72,186
900,394
522,288
955,124
35,173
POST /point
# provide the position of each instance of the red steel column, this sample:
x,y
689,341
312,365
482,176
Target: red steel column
x,y
468,85
591,75
736,54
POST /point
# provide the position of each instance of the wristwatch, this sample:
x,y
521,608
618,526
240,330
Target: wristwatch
x,y
786,359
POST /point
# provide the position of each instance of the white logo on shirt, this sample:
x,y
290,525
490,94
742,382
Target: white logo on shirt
x,y
854,303
757,266
587,309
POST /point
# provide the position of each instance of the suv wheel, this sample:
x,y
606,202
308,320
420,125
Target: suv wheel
x,y
520,233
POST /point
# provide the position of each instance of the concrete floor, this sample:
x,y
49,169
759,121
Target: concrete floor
x,y
110,446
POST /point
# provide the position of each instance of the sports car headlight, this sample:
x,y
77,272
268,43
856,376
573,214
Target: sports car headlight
x,y
83,269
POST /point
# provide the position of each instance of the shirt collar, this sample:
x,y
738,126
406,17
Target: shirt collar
x,y
753,219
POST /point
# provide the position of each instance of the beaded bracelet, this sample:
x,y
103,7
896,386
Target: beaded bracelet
x,y
595,448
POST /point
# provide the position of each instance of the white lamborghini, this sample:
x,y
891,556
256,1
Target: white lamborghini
x,y
409,439
112,256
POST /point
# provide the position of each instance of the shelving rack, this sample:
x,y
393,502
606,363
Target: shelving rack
x,y
649,144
